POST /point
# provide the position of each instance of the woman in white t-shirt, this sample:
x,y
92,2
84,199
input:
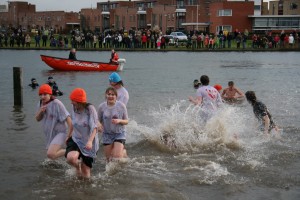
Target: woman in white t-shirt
x,y
56,122
117,83
113,117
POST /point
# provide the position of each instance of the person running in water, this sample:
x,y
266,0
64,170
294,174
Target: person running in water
x,y
208,98
262,113
56,122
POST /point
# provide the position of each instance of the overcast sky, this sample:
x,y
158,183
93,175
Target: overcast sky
x,y
65,5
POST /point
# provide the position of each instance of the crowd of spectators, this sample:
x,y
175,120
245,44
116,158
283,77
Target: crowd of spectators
x,y
149,39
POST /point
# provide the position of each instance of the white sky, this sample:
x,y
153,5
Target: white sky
x,y
65,5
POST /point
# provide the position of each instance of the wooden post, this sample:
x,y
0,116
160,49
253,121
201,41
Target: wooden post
x,y
18,86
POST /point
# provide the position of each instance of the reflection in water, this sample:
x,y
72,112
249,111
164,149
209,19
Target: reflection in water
x,y
17,120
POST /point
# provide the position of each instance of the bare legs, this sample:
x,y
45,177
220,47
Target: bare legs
x,y
55,151
81,168
115,150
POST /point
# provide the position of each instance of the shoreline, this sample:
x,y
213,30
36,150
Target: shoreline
x,y
179,49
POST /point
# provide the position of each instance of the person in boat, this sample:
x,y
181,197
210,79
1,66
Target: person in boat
x,y
117,83
113,117
262,113
34,84
114,57
232,93
82,142
56,122
208,98
72,54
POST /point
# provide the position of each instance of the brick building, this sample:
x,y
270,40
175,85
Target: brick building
x,y
167,15
24,15
286,7
230,16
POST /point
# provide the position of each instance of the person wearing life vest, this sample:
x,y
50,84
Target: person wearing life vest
x,y
114,57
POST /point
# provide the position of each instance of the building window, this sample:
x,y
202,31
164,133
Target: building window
x,y
59,18
227,12
261,22
141,6
256,7
223,28
104,8
150,5
293,6
48,18
192,2
40,18
180,3
113,6
180,14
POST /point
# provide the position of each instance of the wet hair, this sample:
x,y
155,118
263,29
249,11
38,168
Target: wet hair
x,y
84,105
112,90
121,83
204,80
196,84
230,83
251,97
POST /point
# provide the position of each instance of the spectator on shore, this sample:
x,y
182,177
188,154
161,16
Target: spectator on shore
x,y
27,40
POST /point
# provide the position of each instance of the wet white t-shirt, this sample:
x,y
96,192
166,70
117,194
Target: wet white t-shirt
x,y
83,125
211,98
123,95
107,113
54,120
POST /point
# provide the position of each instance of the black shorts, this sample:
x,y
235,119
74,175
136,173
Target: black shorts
x,y
122,141
72,146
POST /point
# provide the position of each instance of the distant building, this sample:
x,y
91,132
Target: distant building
x,y
3,8
286,7
280,15
167,15
24,15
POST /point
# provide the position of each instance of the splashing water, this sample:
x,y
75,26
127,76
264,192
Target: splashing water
x,y
179,127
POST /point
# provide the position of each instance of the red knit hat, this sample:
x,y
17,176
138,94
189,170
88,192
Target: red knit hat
x,y
78,95
45,89
218,87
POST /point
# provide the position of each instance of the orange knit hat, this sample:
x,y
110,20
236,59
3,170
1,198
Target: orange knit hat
x,y
78,95
218,87
45,89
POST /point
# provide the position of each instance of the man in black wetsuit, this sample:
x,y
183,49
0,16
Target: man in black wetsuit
x,y
33,83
